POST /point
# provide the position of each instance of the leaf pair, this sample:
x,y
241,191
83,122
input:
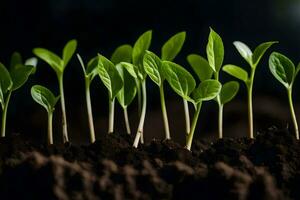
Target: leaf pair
x,y
91,70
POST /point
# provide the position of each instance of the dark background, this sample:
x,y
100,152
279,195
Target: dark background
x,y
102,25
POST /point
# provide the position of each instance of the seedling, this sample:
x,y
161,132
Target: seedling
x,y
13,80
89,74
183,83
126,95
45,98
283,69
239,73
112,80
58,65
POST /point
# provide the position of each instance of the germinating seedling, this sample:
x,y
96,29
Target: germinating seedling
x,y
283,69
239,73
89,74
12,80
126,95
58,65
112,80
45,98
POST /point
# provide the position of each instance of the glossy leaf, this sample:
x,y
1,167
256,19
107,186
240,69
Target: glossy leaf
x,y
153,65
141,45
132,69
282,68
44,97
19,75
68,52
110,76
52,59
236,72
260,51
215,51
229,91
173,46
244,51
200,66
122,54
207,90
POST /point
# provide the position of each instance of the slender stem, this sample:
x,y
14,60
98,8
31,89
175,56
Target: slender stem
x,y
4,114
187,116
50,132
126,119
290,96
140,130
164,112
221,121
63,110
250,108
190,136
111,115
89,110
139,96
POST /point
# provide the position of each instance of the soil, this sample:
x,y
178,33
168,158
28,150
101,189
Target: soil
x,y
265,168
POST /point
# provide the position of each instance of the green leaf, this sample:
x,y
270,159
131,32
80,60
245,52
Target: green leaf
x,y
16,60
200,66
260,51
207,90
20,75
92,68
215,51
152,65
282,68
297,69
52,59
5,82
132,69
173,46
68,52
44,97
128,91
181,81
244,50
122,54
109,76
236,72
228,91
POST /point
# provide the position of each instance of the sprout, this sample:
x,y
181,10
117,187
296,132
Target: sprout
x,y
58,65
45,98
89,74
12,80
283,69
239,73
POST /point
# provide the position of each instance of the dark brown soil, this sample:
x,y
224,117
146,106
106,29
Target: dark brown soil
x,y
265,168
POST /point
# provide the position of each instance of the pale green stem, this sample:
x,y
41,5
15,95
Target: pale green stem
x,y
111,115
190,136
63,110
4,114
290,96
139,96
164,112
221,121
250,108
187,116
89,110
126,119
140,129
50,132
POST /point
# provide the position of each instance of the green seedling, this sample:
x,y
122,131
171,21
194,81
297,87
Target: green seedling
x,y
283,69
126,95
45,98
58,65
205,69
112,80
239,73
12,80
89,74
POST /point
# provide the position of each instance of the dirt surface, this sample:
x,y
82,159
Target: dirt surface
x,y
265,168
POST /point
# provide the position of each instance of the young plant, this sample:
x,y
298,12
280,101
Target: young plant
x,y
112,80
183,83
89,74
283,69
239,73
45,98
126,95
12,80
58,65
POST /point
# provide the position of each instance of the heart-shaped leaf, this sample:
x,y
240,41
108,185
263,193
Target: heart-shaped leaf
x,y
44,97
122,54
52,59
282,68
228,91
19,75
215,51
200,66
260,51
244,50
152,65
207,90
236,72
173,46
68,52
